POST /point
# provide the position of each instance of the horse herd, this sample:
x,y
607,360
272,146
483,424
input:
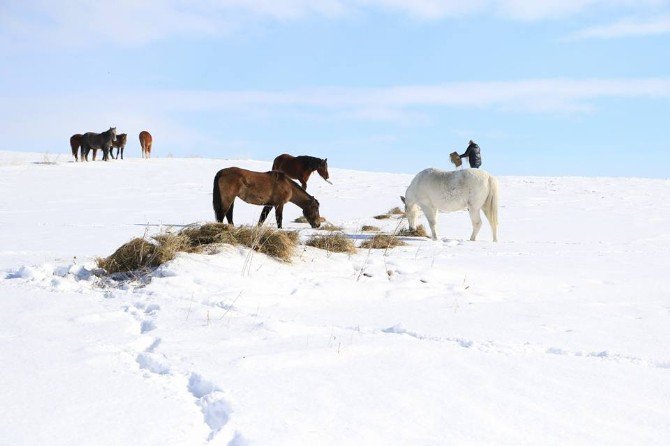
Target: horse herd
x,y
83,144
431,191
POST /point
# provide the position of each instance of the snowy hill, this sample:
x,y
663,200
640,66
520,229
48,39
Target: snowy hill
x,y
558,334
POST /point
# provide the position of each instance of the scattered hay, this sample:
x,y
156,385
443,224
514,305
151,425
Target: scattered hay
x,y
419,231
302,219
336,242
369,228
396,211
140,253
135,255
382,241
273,242
382,217
330,227
208,233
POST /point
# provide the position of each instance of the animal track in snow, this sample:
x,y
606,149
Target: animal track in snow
x,y
494,347
210,399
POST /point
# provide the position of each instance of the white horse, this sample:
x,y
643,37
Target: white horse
x,y
434,190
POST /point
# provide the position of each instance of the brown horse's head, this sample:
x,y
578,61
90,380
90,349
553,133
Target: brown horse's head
x,y
323,169
311,213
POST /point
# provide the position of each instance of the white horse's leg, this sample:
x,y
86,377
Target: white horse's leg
x,y
431,216
476,222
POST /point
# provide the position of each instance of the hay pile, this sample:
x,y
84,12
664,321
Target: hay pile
x,y
330,227
302,219
382,241
369,228
455,159
135,255
336,242
141,254
396,211
382,216
419,231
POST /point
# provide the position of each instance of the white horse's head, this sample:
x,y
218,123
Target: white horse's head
x,y
411,212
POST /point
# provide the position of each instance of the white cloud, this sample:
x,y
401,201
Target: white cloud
x,y
625,28
84,23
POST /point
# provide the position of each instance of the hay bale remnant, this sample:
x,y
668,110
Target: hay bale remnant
x,y
336,242
382,241
370,228
140,253
419,231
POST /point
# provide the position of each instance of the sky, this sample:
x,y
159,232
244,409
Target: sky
x,y
557,87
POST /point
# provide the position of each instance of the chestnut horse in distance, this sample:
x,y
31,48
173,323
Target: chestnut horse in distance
x,y
301,167
267,189
145,141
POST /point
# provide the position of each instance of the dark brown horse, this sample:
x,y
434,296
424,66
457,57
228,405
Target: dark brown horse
x,y
145,142
75,142
97,141
120,144
267,189
301,167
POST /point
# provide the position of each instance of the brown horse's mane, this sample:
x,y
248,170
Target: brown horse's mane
x,y
310,162
293,183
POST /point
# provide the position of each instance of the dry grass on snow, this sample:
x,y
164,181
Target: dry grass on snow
x,y
419,231
140,253
336,242
382,241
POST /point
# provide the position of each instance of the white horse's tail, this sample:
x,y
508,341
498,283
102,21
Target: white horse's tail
x,y
490,207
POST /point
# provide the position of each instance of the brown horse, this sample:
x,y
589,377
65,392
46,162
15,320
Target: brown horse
x,y
266,189
75,142
120,144
301,167
145,141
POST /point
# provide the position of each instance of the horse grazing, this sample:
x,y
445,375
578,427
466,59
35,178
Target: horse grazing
x,y
266,189
95,141
145,142
120,144
434,190
301,167
75,142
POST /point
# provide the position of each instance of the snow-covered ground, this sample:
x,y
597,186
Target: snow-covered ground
x,y
558,334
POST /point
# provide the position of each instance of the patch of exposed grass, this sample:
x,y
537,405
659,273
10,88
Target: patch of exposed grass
x,y
369,228
330,227
382,217
336,242
382,241
396,211
140,253
302,219
419,231
135,255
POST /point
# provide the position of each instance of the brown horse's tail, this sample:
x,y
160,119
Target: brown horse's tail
x,y
219,212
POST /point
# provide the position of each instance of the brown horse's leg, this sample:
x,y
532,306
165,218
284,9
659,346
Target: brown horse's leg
x,y
117,153
229,213
279,211
264,214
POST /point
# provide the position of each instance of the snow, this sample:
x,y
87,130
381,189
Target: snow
x,y
558,334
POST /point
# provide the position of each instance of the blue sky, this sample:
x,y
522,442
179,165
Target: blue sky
x,y
572,87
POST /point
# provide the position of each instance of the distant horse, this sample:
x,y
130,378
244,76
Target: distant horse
x,y
145,142
75,142
266,189
95,141
434,190
301,167
120,144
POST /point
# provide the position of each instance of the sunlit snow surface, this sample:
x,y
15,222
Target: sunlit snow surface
x,y
558,334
